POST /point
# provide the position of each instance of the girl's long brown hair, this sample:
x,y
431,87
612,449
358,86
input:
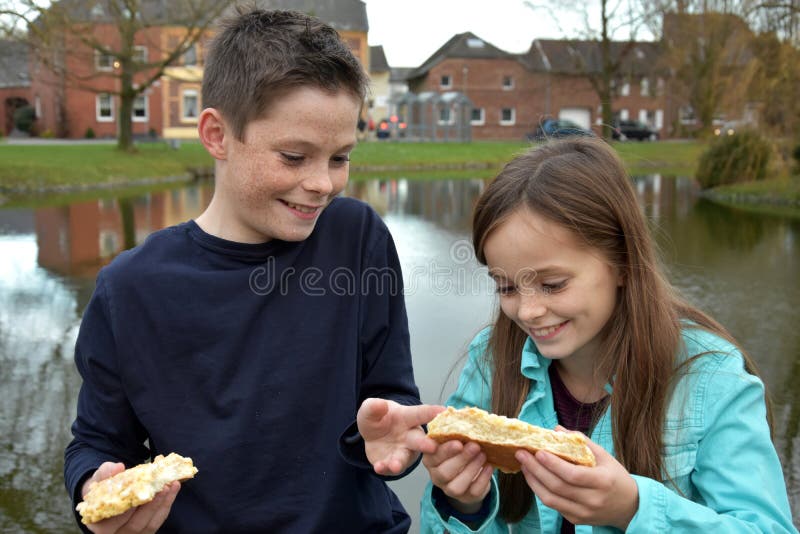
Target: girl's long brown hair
x,y
582,185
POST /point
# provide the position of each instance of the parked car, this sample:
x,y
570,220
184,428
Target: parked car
x,y
393,126
730,127
555,128
630,129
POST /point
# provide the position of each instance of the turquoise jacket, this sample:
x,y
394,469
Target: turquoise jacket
x,y
717,449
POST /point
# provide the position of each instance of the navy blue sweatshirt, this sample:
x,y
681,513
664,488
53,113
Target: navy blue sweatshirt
x,y
252,359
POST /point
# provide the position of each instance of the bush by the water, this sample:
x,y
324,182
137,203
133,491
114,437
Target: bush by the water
x,y
796,156
742,157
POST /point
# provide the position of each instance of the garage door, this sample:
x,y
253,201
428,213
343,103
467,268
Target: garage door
x,y
580,116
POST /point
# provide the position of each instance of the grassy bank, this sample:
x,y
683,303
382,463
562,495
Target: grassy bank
x,y
47,168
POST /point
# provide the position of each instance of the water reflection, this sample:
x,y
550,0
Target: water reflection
x,y
742,268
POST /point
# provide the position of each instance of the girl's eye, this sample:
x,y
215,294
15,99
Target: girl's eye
x,y
293,159
553,287
505,290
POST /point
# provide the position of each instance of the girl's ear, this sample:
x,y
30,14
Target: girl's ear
x,y
213,129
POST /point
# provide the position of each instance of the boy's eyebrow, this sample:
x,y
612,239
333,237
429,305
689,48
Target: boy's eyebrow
x,y
301,143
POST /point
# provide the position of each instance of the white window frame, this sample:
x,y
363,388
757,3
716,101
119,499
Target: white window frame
x,y
37,105
98,107
478,122
97,64
196,94
510,85
644,87
140,53
146,116
625,90
449,80
509,122
449,118
623,114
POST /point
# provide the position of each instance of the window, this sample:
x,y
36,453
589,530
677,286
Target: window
x,y
645,87
104,107
508,82
625,90
189,105
686,115
139,113
38,106
623,114
103,61
446,81
190,56
507,116
445,115
478,117
140,54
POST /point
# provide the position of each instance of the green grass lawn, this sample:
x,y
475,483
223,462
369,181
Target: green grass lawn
x,y
47,167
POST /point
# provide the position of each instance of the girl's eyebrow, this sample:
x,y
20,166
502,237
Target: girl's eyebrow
x,y
499,274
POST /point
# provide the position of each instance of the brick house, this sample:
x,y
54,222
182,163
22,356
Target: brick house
x,y
170,106
15,83
512,93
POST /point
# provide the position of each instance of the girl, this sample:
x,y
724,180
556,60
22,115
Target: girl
x,y
591,337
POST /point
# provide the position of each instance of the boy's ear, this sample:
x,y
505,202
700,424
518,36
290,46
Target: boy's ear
x,y
212,130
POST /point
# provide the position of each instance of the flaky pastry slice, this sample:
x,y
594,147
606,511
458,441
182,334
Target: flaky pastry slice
x,y
500,437
133,487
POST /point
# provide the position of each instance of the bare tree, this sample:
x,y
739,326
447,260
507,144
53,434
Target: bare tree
x,y
616,17
65,37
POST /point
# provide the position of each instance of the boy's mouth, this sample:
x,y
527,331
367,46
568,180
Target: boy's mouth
x,y
308,210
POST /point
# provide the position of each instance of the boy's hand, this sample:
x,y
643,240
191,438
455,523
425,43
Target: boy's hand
x,y
146,518
605,494
461,472
393,435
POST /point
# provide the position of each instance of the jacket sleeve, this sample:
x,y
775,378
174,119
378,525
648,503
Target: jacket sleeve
x,y
386,371
734,471
474,389
105,428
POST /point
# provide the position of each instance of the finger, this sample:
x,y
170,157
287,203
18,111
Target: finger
x,y
417,440
396,463
482,483
460,484
535,465
106,470
444,452
453,466
161,513
112,524
574,475
420,415
549,498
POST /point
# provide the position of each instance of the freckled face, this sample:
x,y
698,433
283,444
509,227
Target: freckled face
x,y
290,164
560,292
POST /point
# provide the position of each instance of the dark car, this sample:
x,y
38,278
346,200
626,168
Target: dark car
x,y
630,129
556,128
393,126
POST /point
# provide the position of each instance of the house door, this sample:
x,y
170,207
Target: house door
x,y
580,116
12,104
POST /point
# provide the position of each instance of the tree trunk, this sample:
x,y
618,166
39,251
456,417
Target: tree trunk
x,y
125,123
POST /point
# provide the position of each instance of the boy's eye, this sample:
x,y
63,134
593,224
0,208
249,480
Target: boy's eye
x,y
340,160
292,158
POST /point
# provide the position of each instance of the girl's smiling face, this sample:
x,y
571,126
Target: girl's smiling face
x,y
559,291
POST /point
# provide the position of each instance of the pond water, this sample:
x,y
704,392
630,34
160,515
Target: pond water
x,y
741,267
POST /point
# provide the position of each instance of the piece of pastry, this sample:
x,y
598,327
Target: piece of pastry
x,y
500,437
133,487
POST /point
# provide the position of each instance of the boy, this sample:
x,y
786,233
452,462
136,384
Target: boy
x,y
253,338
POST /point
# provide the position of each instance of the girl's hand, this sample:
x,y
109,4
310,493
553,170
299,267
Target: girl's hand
x,y
461,472
146,518
602,495
393,434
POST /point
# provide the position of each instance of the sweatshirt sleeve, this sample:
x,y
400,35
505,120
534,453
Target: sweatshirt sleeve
x,y
385,352
474,389
735,470
105,428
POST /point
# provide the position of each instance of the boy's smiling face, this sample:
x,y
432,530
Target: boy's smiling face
x,y
291,162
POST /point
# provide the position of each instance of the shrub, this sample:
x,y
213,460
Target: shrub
x,y
742,157
47,134
89,133
24,117
796,156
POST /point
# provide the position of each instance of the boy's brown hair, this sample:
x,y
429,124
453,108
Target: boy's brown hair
x,y
258,56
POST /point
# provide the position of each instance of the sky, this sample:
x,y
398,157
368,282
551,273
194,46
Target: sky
x,y
412,30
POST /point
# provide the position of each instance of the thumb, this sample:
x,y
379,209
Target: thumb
x,y
373,410
106,470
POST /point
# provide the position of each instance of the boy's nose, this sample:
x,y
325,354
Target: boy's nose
x,y
319,182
